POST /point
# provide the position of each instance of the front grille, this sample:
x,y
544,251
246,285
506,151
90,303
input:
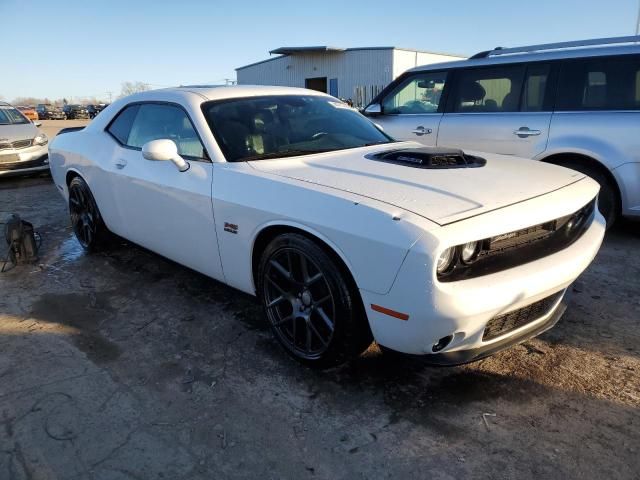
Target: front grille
x,y
512,249
20,165
507,322
17,144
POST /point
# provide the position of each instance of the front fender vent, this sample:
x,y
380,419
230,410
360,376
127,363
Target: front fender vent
x,y
431,158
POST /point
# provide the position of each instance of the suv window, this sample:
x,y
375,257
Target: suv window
x,y
156,121
488,89
600,84
535,88
417,94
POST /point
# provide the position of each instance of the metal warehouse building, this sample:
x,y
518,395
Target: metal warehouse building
x,y
351,73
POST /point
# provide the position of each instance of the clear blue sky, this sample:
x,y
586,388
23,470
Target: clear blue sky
x,y
59,48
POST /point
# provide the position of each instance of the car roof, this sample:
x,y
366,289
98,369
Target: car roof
x,y
221,92
534,56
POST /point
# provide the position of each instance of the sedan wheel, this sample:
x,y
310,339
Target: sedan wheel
x,y
311,309
85,217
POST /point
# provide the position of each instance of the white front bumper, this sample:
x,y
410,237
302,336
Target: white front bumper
x,y
462,308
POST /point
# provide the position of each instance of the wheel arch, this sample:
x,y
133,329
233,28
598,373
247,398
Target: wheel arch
x,y
70,175
591,162
267,233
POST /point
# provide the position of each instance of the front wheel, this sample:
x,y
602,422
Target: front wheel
x,y
86,220
313,310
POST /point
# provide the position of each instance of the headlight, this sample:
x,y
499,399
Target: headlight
x,y
446,260
40,139
470,252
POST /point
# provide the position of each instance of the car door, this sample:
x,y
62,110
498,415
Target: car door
x,y
501,109
165,210
413,110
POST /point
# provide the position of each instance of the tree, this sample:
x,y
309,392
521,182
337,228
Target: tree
x,y
129,88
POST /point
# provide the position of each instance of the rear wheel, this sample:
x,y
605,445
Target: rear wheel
x,y
608,202
86,220
313,311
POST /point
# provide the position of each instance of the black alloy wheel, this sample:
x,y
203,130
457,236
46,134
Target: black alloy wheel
x,y
85,217
312,310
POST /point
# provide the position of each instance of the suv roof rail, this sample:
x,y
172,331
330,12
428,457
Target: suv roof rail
x,y
558,46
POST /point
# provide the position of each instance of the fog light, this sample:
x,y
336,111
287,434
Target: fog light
x,y
446,260
442,343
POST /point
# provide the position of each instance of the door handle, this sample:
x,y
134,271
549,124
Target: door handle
x,y
421,131
524,132
121,163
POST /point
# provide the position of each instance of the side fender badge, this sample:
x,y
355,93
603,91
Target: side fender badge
x,y
230,227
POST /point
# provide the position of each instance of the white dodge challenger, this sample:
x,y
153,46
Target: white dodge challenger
x,y
344,234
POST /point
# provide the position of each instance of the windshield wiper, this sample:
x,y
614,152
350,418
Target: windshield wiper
x,y
286,153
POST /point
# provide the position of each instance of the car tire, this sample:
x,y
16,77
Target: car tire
x,y
608,201
313,308
86,220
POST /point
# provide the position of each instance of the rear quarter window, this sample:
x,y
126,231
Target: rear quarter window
x,y
611,83
120,127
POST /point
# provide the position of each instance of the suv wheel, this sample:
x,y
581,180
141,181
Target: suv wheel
x,y
608,202
311,308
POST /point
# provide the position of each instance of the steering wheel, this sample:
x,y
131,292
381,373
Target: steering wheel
x,y
319,135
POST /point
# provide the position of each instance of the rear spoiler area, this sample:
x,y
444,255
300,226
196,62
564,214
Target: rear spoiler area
x,y
70,129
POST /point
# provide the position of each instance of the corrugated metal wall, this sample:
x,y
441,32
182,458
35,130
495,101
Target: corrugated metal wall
x,y
405,59
361,73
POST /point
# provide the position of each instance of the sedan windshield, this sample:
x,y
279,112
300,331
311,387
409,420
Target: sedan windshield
x,y
11,116
259,128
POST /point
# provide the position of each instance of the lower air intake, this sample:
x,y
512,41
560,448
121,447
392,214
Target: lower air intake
x,y
507,322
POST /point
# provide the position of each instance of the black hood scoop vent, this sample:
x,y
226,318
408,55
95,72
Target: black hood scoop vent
x,y
430,158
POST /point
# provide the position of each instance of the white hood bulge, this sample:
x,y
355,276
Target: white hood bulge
x,y
442,195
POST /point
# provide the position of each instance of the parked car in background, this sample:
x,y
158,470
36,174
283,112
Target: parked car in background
x,y
75,112
29,112
95,109
49,112
343,233
575,104
23,148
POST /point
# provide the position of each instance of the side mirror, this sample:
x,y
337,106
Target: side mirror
x,y
373,109
37,124
163,151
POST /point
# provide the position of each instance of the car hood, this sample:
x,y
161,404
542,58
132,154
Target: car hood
x,y
442,195
21,131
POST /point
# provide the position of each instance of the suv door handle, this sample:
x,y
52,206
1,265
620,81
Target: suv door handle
x,y
421,131
523,132
121,163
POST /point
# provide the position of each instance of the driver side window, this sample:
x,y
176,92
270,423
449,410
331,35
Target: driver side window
x,y
418,94
158,121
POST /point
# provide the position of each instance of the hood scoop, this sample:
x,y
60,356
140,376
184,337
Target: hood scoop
x,y
429,158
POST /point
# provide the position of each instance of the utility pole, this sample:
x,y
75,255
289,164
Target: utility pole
x,y
109,93
638,21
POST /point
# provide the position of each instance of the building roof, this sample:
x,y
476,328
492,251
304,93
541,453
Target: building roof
x,y
293,50
286,51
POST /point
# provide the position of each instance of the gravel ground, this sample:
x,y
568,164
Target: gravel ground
x,y
124,365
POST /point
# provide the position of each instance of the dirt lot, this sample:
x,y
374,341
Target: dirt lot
x,y
124,365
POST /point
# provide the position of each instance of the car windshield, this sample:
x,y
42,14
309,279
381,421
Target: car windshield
x,y
11,116
257,128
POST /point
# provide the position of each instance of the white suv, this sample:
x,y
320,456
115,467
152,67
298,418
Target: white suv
x,y
575,104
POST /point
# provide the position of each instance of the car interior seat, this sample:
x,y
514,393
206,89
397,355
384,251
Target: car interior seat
x,y
471,91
